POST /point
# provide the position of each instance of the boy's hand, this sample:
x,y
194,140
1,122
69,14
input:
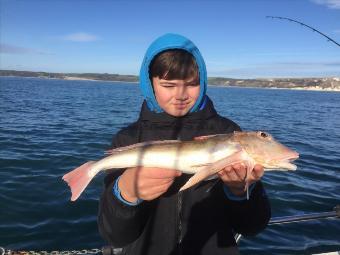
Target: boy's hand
x,y
145,183
234,177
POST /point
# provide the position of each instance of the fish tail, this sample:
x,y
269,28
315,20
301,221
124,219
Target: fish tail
x,y
78,179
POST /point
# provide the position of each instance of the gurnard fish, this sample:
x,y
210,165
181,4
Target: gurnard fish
x,y
204,156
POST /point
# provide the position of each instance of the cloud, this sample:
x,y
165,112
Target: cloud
x,y
80,37
332,4
13,49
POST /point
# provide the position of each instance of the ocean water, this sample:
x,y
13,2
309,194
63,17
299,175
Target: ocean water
x,y
48,127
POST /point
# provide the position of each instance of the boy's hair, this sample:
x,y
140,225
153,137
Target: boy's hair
x,y
174,64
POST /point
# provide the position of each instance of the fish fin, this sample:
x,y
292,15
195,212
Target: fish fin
x,y
203,137
213,169
149,143
202,165
78,179
249,167
196,178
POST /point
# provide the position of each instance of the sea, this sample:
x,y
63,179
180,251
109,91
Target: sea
x,y
50,126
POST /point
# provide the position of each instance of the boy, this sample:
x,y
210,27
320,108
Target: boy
x,y
141,209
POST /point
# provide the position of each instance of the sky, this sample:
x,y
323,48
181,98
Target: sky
x,y
234,36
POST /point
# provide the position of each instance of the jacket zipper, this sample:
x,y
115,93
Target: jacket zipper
x,y
179,217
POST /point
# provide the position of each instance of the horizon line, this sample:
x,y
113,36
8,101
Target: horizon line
x,y
251,78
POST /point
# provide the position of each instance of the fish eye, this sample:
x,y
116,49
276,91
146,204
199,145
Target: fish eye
x,y
263,134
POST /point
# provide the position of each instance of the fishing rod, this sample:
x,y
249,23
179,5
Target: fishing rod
x,y
303,24
305,217
300,218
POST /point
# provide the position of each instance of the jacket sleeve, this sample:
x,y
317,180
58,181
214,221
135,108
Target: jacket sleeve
x,y
248,217
119,223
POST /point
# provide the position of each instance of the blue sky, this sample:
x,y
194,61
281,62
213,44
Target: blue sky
x,y
235,37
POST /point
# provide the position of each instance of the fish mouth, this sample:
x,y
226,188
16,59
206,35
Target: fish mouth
x,y
286,163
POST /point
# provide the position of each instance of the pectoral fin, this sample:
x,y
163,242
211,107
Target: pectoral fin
x,y
249,166
213,168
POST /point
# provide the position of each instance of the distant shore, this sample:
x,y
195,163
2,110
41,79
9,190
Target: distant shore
x,y
71,78
331,84
317,89
296,88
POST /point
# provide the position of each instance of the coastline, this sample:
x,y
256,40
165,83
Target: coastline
x,y
312,88
317,89
68,78
74,78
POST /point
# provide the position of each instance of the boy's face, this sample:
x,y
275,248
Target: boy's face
x,y
176,97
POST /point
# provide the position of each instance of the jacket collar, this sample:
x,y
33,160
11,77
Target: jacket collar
x,y
207,112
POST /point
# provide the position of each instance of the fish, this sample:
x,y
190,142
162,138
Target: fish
x,y
203,157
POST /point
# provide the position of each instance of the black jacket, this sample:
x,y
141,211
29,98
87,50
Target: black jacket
x,y
200,220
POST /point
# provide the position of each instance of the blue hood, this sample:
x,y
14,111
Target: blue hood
x,y
167,42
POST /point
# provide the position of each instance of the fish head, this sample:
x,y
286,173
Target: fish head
x,y
266,151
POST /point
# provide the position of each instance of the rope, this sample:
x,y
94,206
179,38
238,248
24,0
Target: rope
x,y
107,250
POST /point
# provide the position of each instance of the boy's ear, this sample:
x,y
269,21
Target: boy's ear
x,y
152,80
152,84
